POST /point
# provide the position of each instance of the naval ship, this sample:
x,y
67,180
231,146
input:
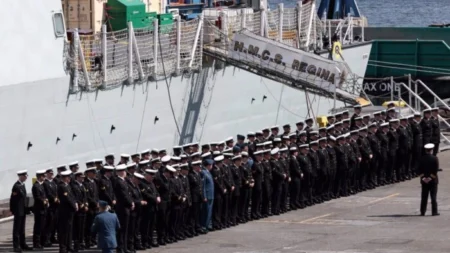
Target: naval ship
x,y
47,120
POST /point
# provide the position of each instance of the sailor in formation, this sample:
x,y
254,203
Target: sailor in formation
x,y
161,199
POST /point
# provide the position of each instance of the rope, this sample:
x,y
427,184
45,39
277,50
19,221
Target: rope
x,y
143,115
282,106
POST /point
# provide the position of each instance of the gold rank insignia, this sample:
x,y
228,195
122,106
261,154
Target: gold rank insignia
x,y
65,194
103,188
143,190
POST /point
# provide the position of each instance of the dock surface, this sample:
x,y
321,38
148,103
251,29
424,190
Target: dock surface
x,y
383,220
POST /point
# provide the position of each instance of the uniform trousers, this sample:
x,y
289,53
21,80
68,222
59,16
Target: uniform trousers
x,y
132,232
294,190
364,170
162,221
207,210
88,235
175,221
147,226
123,214
266,197
401,165
217,212
276,194
429,189
392,163
50,224
19,231
39,228
226,208
372,176
243,204
256,202
344,182
186,227
284,196
195,214
306,189
65,229
234,208
79,222
382,165
331,180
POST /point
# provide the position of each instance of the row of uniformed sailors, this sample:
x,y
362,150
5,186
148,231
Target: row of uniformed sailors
x,y
317,178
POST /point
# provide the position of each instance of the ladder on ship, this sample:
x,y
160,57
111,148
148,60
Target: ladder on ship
x,y
416,103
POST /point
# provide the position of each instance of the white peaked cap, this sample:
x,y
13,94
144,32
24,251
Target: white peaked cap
x,y
165,158
219,158
121,167
125,155
170,168
66,173
429,146
22,172
138,175
40,172
274,151
73,163
150,171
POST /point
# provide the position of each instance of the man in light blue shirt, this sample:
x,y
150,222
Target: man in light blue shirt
x,y
208,192
106,225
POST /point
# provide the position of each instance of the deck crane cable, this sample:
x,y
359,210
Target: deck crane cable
x,y
143,111
281,104
168,86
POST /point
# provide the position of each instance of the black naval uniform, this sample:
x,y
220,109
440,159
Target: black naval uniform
x,y
436,134
428,167
92,197
219,194
197,196
332,171
51,191
134,239
306,186
186,208
277,183
229,185
266,188
342,164
403,153
236,194
40,211
164,189
427,131
79,192
393,148
123,209
106,190
314,178
295,185
66,213
258,176
383,160
149,194
17,206
416,147
246,191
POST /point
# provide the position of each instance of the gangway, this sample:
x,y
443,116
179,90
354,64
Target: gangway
x,y
416,103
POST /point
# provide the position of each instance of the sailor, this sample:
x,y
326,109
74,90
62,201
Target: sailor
x,y
286,130
323,173
309,124
375,147
51,219
258,177
306,167
383,116
315,163
134,237
267,183
390,104
366,120
383,159
377,118
342,167
162,183
229,185
357,123
366,158
162,153
136,158
240,141
151,196
403,150
417,142
17,206
105,186
345,115
393,150
123,207
109,160
356,113
322,132
39,210
59,169
236,175
330,120
331,131
436,133
285,186
74,167
409,173
354,158
177,150
302,138
331,143
79,192
390,114
247,183
124,159
143,165
274,132
428,169
338,129
92,198
185,224
196,185
229,142
66,212
299,126
427,127
278,176
178,200
296,178
345,126
145,154
313,135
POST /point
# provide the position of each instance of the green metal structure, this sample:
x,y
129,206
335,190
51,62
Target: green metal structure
x,y
120,12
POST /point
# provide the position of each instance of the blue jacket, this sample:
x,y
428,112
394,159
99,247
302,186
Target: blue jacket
x,y
105,225
208,184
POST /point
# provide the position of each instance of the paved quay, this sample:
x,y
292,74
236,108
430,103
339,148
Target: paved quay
x,y
383,220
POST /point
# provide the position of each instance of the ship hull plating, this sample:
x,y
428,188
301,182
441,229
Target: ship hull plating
x,y
63,127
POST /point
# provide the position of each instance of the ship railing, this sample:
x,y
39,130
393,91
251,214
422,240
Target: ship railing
x,y
418,103
132,55
298,27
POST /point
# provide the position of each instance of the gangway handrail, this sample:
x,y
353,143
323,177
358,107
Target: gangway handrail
x,y
426,104
432,93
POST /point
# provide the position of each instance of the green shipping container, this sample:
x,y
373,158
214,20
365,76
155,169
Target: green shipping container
x,y
120,12
165,22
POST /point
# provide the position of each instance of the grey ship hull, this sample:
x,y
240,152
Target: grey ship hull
x,y
42,111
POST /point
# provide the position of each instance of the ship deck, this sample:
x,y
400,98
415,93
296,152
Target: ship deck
x,y
383,220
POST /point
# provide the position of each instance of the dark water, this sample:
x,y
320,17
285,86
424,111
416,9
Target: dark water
x,y
413,13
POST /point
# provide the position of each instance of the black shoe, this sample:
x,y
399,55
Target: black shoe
x,y
154,245
436,214
17,250
26,248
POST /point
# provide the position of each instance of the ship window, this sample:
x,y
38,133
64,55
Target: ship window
x,y
58,24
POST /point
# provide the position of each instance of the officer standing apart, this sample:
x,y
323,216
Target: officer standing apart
x,y
428,169
17,206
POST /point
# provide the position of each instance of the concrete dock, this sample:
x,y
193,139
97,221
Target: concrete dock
x,y
383,220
